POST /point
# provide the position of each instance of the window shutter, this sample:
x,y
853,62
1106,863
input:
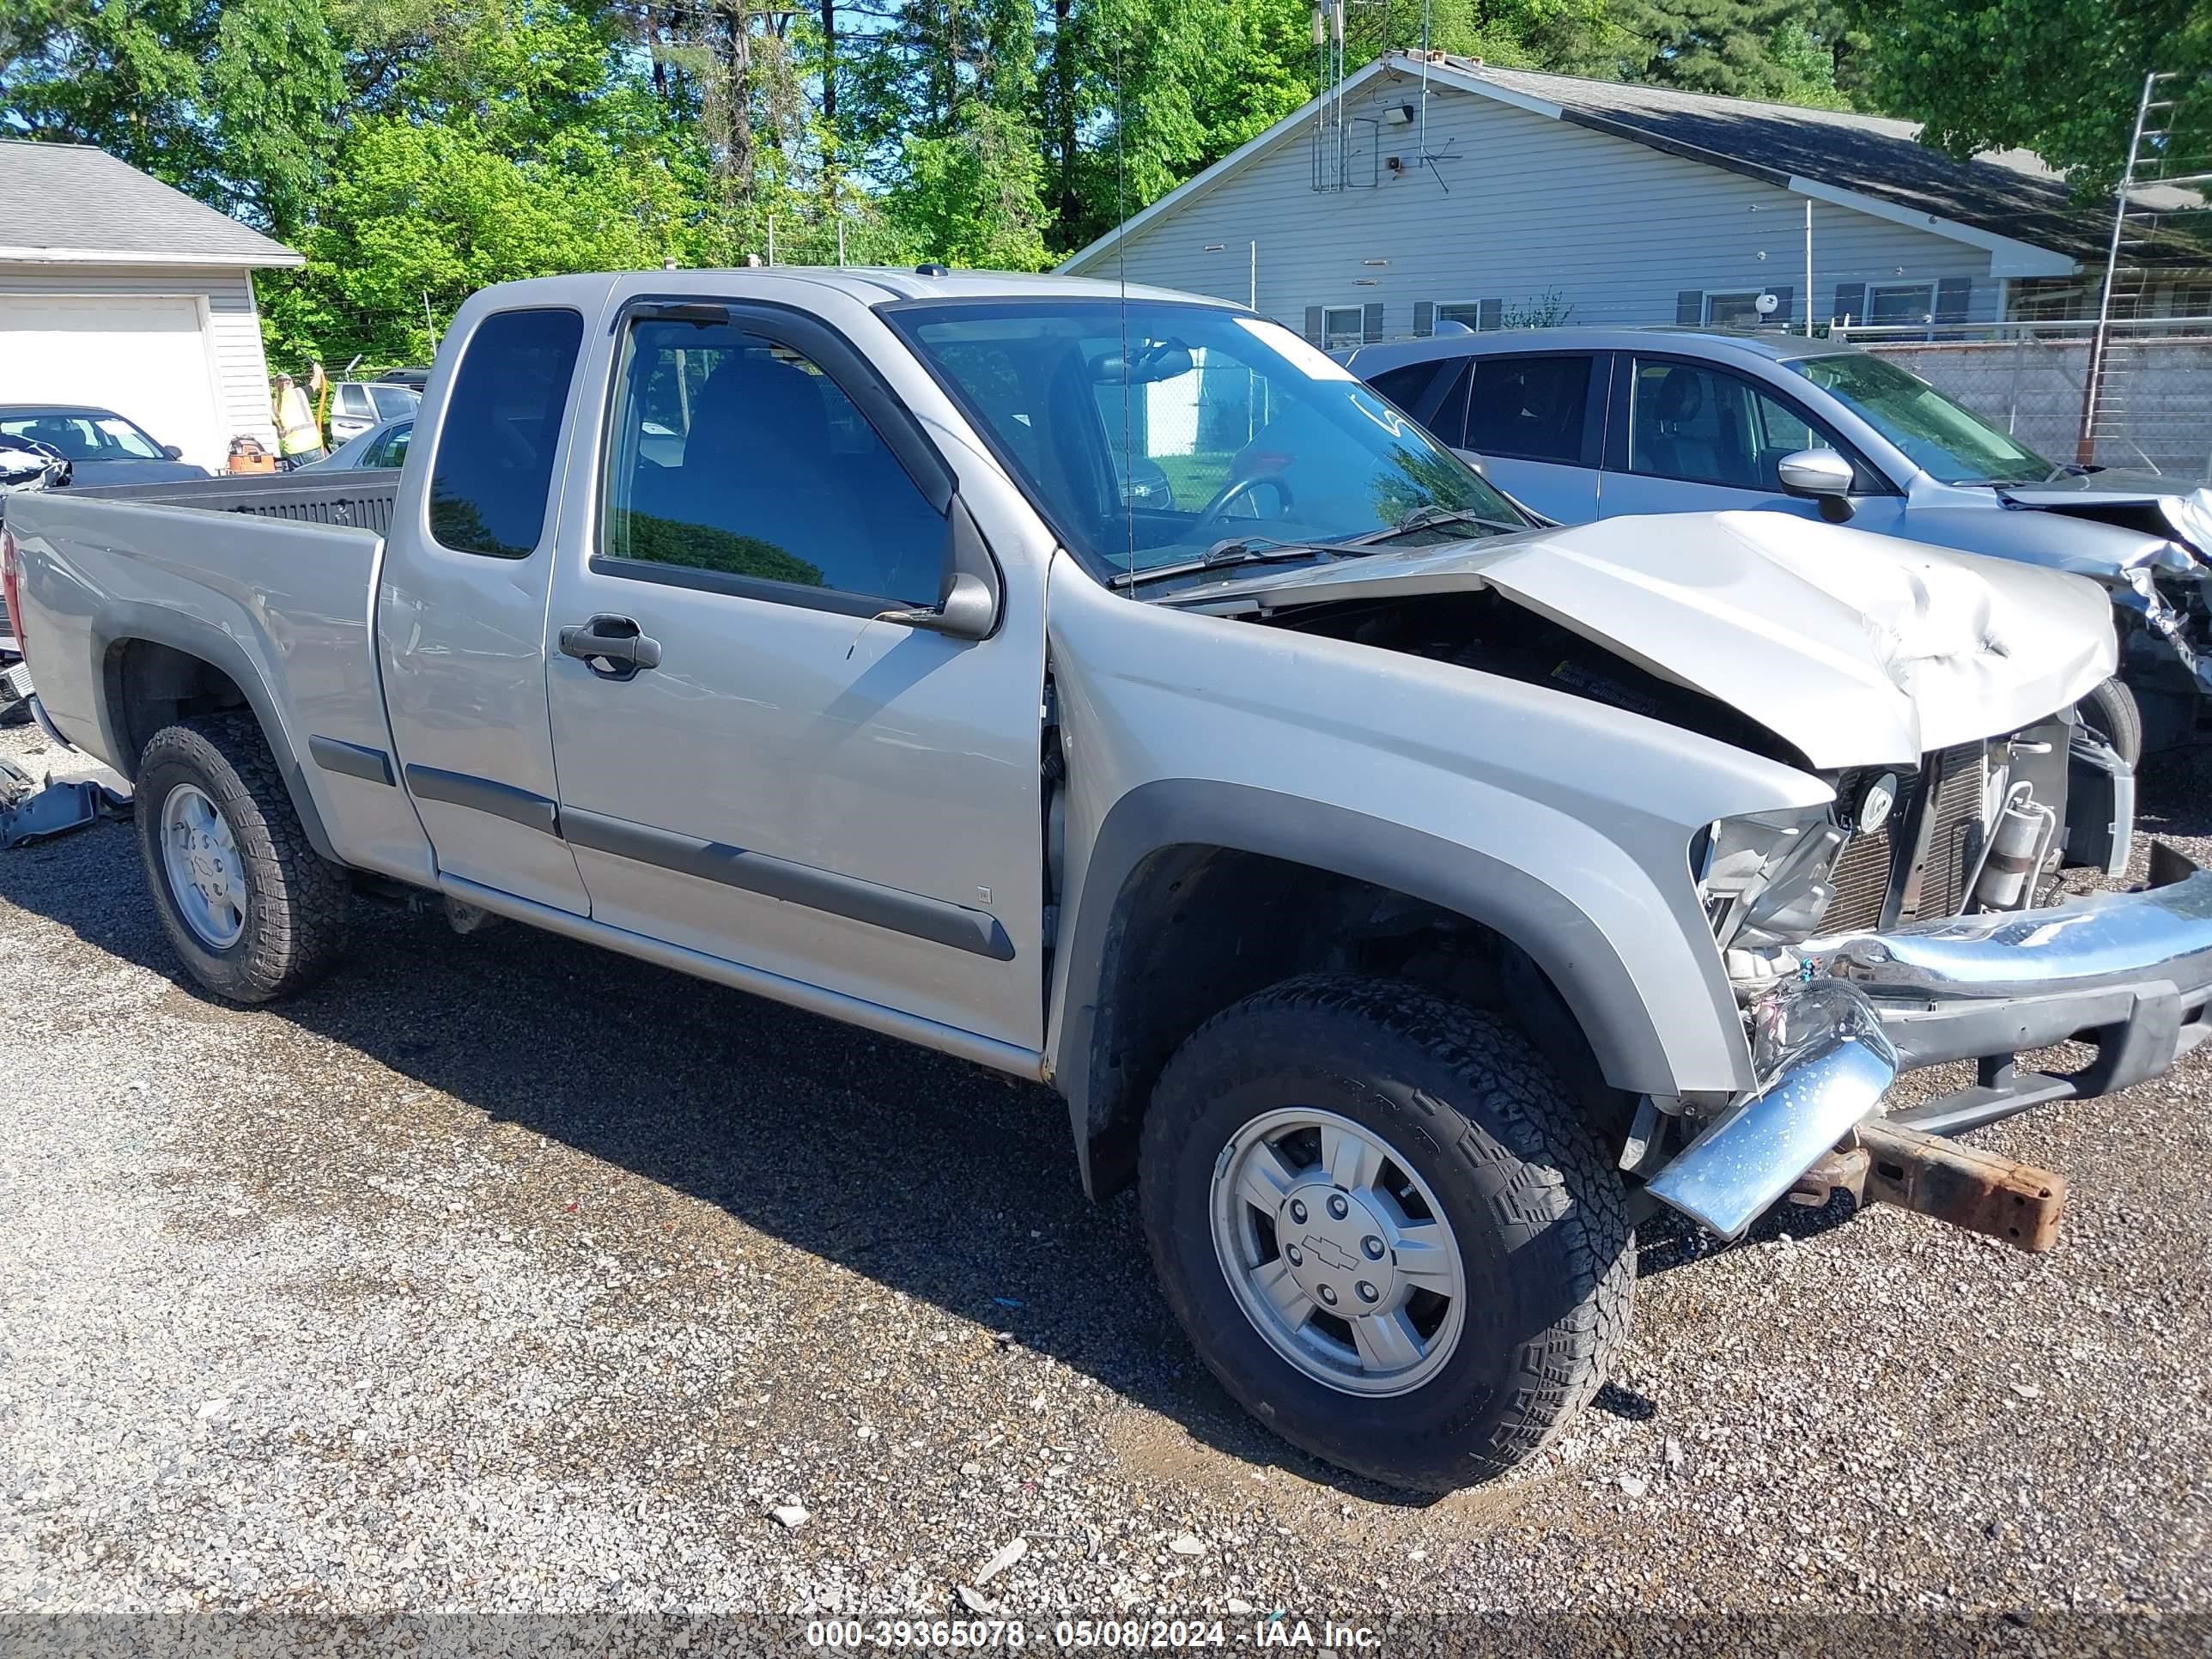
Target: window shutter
x,y
1782,296
1953,295
1370,321
1313,324
1851,302
1425,316
1490,314
1690,307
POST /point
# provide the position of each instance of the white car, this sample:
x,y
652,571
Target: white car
x,y
356,406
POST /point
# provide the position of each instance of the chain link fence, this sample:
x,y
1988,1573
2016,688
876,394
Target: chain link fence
x,y
2153,405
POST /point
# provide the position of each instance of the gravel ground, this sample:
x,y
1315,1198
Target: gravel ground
x,y
501,1273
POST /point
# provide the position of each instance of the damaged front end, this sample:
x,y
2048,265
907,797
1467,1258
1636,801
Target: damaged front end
x,y
2169,648
2164,586
1865,944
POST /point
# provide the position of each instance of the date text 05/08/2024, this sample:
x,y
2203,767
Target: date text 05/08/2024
x,y
1122,1634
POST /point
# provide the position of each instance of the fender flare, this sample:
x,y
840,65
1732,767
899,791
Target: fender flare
x,y
1572,949
122,622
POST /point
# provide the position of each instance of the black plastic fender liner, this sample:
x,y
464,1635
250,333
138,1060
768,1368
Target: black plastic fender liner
x,y
1572,951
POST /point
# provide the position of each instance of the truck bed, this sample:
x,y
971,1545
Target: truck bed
x,y
360,497
268,579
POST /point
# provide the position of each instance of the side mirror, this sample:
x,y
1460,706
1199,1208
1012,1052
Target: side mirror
x,y
1819,475
174,452
968,604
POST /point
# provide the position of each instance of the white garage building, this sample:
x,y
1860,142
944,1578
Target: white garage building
x,y
118,291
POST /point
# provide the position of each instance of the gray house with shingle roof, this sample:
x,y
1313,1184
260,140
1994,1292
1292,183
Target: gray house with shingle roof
x,y
1438,188
118,291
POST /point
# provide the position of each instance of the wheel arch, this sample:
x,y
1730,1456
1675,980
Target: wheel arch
x,y
156,667
1299,875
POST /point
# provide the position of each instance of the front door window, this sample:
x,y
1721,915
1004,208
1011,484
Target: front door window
x,y
1705,426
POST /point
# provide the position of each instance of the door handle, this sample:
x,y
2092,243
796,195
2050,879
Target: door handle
x,y
612,647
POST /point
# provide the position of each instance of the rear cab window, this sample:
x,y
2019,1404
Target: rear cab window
x,y
502,431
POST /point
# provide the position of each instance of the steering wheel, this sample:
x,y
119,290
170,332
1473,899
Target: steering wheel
x,y
1215,510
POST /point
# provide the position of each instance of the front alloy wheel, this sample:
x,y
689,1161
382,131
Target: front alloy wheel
x,y
1338,1252
1381,1221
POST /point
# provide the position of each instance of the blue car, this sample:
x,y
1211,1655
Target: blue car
x,y
102,446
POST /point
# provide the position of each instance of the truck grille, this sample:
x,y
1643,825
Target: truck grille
x,y
1868,864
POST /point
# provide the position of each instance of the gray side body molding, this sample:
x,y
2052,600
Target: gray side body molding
x,y
501,800
913,913
353,760
121,621
1572,950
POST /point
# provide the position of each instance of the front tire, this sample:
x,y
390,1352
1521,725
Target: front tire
x,y
1302,1129
252,910
2112,714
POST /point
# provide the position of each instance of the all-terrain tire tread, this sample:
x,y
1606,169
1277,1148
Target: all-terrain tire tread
x,y
1539,1127
302,899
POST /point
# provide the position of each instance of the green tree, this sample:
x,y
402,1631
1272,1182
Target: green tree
x,y
510,138
422,215
235,103
970,196
945,105
2061,77
1777,51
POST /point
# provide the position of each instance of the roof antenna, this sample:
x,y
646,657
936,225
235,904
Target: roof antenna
x,y
1121,266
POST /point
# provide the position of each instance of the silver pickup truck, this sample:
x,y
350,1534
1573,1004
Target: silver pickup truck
x,y
1108,689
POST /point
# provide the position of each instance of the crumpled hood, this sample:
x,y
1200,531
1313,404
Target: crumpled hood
x,y
2179,509
1856,649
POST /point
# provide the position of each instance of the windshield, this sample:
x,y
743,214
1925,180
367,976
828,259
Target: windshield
x,y
1938,436
1221,430
86,435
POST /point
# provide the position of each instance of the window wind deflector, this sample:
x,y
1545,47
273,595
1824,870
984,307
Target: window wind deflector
x,y
700,313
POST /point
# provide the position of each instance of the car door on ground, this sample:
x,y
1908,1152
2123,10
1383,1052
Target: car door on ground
x,y
791,784
1692,437
1536,423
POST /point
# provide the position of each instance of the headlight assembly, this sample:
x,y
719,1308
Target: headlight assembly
x,y
1765,878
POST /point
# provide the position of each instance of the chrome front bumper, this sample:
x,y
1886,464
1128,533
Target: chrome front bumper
x,y
2130,973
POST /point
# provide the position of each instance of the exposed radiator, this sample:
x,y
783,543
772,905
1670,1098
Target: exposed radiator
x,y
1867,864
1961,778
1862,878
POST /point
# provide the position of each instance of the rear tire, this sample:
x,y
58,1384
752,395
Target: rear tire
x,y
2110,711
1492,1345
267,914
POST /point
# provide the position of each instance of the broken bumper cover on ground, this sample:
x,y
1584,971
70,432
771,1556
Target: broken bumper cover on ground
x,y
2130,973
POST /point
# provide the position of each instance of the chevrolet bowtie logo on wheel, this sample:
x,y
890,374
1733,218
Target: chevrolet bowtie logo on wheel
x,y
1328,1253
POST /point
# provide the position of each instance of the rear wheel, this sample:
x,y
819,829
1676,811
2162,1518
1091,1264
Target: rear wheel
x,y
251,909
1384,1228
2110,714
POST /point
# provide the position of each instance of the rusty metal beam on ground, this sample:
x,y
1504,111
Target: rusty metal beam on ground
x,y
1984,1192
